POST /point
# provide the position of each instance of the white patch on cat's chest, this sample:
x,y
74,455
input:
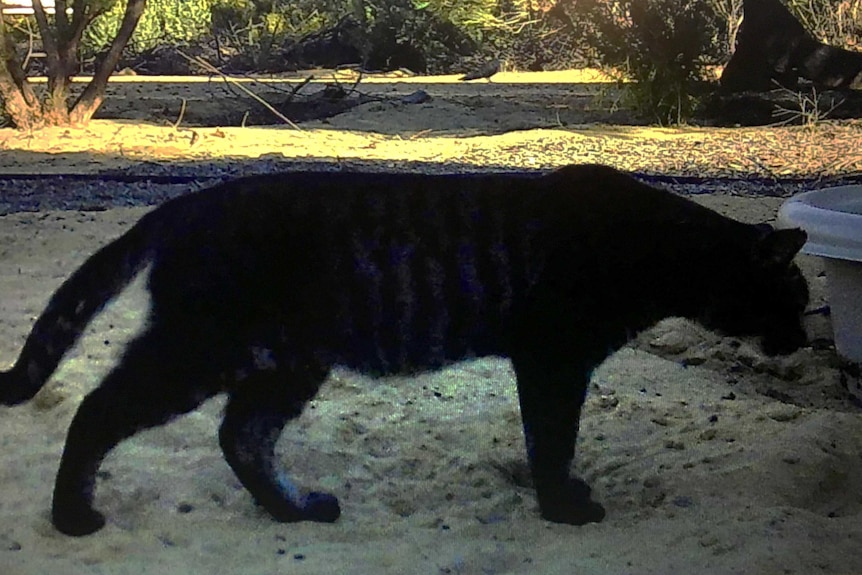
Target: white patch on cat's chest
x,y
262,358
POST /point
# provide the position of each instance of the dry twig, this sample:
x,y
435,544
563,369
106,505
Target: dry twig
x,y
210,68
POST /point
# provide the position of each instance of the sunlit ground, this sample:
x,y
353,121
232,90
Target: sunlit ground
x,y
529,120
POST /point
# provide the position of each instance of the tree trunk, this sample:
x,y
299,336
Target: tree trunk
x,y
23,113
93,95
20,100
61,47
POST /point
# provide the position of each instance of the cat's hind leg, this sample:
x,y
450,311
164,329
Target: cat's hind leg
x,y
257,410
150,386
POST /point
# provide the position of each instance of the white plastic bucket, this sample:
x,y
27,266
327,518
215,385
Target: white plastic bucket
x,y
832,218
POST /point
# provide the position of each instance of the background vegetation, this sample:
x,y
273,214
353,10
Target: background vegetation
x,y
665,46
521,31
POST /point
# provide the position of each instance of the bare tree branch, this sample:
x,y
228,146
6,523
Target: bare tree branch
x,y
61,17
48,42
93,95
13,66
18,97
61,43
83,15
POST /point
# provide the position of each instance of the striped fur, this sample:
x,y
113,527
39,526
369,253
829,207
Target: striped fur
x,y
259,286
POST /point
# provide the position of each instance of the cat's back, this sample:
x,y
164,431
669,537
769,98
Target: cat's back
x,y
351,195
593,193
314,209
270,215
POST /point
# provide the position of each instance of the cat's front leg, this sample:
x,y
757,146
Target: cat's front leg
x,y
550,414
553,365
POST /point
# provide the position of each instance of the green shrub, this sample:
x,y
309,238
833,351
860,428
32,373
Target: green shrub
x,y
163,22
256,30
254,19
658,44
479,18
396,27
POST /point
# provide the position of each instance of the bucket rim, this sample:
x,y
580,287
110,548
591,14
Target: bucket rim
x,y
833,232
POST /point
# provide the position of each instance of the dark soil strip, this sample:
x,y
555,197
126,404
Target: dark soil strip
x,y
97,192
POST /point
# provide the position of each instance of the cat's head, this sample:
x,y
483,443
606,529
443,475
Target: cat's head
x,y
765,294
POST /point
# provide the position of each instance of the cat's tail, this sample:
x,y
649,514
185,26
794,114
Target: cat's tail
x,y
69,311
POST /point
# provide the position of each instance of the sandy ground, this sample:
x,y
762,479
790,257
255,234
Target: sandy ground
x,y
709,457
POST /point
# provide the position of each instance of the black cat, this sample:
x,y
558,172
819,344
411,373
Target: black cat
x,y
259,286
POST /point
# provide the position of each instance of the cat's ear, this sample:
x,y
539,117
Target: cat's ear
x,y
777,248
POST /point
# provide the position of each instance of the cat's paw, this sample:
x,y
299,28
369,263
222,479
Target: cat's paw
x,y
321,507
574,512
314,506
77,522
577,488
571,503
